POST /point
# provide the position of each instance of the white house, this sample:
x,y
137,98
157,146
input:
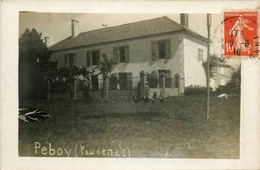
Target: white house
x,y
159,44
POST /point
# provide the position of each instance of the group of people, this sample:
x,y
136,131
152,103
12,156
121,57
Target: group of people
x,y
146,98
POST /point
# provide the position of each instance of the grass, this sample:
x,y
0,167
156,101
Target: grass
x,y
174,129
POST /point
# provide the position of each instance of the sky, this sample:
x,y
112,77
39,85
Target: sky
x,y
57,26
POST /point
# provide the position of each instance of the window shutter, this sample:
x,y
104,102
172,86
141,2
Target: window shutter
x,y
168,49
98,57
126,54
71,60
91,59
116,51
154,50
129,81
168,79
66,58
74,59
88,61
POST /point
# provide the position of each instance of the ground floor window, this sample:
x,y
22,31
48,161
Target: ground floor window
x,y
125,81
168,78
94,82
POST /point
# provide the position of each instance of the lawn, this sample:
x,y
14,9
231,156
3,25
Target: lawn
x,y
174,129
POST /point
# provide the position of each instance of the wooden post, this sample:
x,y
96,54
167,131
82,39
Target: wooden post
x,y
208,65
117,83
106,82
48,95
163,83
75,89
142,84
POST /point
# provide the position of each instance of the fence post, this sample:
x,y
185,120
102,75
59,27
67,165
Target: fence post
x,y
105,86
117,82
142,83
48,96
163,82
75,89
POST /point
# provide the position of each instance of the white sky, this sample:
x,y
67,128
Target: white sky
x,y
57,26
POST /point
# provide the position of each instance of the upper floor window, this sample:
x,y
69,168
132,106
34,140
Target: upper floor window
x,y
161,49
200,54
122,53
69,59
93,57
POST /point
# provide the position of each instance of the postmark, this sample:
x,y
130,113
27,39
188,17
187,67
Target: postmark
x,y
240,31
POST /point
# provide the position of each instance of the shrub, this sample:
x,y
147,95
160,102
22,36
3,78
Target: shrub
x,y
191,90
229,88
153,79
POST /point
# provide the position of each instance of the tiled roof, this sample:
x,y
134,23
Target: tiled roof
x,y
122,32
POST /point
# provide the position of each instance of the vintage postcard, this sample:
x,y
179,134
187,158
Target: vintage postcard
x,y
92,86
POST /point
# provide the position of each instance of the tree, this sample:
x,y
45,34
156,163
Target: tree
x,y
106,65
236,79
234,85
105,68
33,64
153,79
67,76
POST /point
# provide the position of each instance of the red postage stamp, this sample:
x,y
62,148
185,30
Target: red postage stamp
x,y
241,34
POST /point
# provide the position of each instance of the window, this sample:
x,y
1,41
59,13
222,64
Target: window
x,y
93,57
94,82
125,80
161,49
69,59
122,53
167,74
200,54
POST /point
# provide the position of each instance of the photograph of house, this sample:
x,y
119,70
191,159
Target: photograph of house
x,y
125,85
160,44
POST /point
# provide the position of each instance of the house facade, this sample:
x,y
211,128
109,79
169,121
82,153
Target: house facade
x,y
157,45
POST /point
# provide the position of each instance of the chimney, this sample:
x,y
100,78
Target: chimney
x,y
47,41
74,28
185,20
